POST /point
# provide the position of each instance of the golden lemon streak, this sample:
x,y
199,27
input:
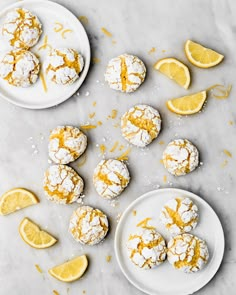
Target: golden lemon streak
x,y
114,146
88,127
144,223
42,78
64,32
45,44
124,157
227,153
60,28
38,268
106,32
225,92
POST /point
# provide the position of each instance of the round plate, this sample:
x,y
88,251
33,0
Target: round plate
x,y
49,13
164,279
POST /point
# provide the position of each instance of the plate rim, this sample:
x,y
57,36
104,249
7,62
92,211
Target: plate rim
x,y
86,67
146,195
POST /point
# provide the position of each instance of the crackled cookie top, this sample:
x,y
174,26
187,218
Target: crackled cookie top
x,y
62,184
179,215
21,28
180,157
66,144
63,65
140,125
187,253
110,178
20,68
146,249
88,225
125,73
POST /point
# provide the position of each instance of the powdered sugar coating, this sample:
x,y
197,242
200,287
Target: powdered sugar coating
x,y
140,125
125,73
62,184
63,66
180,157
66,144
88,225
179,215
21,28
20,68
187,253
110,178
146,248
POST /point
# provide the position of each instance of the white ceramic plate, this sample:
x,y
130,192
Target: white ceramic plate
x,y
48,12
164,279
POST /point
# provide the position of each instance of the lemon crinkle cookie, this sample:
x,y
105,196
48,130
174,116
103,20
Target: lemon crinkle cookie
x,y
88,225
146,248
62,184
66,144
110,178
21,28
180,157
140,125
187,253
125,73
179,215
20,68
63,65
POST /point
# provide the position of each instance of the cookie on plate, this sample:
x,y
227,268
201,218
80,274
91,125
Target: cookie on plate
x,y
110,178
21,28
179,215
62,184
88,226
125,73
140,125
187,253
180,157
66,144
146,248
20,68
63,66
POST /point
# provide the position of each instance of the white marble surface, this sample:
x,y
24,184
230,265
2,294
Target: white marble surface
x,y
137,26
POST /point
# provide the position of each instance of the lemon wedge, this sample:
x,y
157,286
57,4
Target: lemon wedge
x,y
34,236
200,56
174,70
71,270
16,199
187,105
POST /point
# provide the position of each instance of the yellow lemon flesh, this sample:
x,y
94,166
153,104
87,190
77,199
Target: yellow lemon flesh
x,y
16,199
201,56
34,236
187,105
175,70
71,270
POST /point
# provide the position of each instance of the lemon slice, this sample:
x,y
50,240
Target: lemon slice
x,y
16,199
34,236
187,105
71,270
200,56
174,70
